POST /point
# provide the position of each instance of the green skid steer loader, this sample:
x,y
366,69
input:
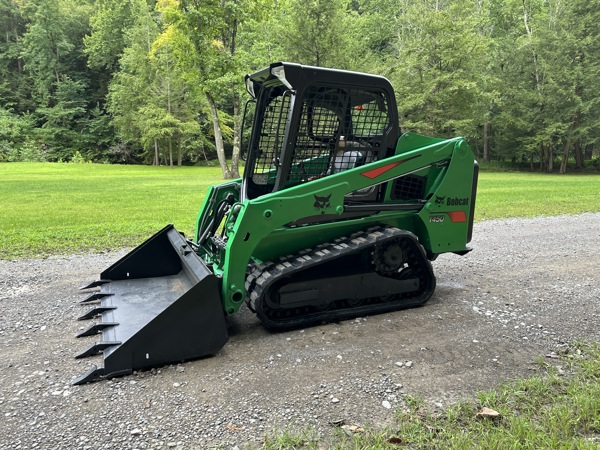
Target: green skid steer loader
x,y
338,215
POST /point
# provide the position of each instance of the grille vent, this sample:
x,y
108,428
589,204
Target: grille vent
x,y
408,187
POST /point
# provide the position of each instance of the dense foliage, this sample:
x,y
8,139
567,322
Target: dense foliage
x,y
161,81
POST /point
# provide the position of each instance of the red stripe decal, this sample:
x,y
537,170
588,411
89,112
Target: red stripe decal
x,y
380,170
371,174
457,216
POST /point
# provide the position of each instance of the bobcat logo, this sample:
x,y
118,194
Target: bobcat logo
x,y
322,203
439,200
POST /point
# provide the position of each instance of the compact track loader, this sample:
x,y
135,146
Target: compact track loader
x,y
337,215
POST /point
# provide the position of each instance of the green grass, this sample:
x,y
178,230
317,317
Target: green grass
x,y
515,194
68,208
560,410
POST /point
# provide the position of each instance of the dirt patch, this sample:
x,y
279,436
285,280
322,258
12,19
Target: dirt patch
x,y
529,288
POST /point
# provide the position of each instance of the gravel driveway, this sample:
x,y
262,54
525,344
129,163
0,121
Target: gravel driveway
x,y
529,288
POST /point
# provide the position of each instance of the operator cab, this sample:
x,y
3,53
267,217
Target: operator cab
x,y
311,122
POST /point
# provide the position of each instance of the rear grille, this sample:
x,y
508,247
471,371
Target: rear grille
x,y
408,187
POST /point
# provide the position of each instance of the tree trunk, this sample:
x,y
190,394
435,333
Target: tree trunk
x,y
486,141
156,155
19,60
530,36
566,154
577,145
179,155
549,159
237,135
531,162
170,152
218,137
578,153
565,158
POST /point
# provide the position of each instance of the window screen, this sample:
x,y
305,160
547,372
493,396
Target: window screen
x,y
339,129
270,139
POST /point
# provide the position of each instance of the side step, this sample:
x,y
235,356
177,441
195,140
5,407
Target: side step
x,y
159,304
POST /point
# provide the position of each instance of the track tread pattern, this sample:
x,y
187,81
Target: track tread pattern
x,y
264,275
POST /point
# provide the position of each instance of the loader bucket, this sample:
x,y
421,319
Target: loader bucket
x,y
159,304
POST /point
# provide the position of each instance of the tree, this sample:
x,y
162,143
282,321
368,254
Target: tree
x,y
15,85
579,47
15,141
173,96
547,67
161,80
214,29
110,24
438,74
316,32
61,117
153,104
372,30
53,57
129,90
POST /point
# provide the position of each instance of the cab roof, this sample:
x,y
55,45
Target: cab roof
x,y
297,76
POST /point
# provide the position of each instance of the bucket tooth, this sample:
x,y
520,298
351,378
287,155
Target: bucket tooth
x,y
96,312
94,284
96,348
95,297
95,373
97,328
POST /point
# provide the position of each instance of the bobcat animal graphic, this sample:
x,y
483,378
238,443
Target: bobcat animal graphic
x,y
322,203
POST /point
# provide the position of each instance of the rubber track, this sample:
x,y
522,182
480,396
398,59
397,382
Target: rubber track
x,y
264,275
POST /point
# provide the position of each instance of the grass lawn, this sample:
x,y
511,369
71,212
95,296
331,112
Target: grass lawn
x,y
513,194
63,208
67,208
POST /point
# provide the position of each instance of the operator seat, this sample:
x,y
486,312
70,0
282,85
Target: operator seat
x,y
351,154
347,160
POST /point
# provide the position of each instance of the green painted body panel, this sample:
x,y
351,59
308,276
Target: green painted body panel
x,y
264,228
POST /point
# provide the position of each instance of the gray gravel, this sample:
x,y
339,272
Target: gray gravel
x,y
529,288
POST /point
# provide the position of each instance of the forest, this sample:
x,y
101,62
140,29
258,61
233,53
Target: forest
x,y
161,82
